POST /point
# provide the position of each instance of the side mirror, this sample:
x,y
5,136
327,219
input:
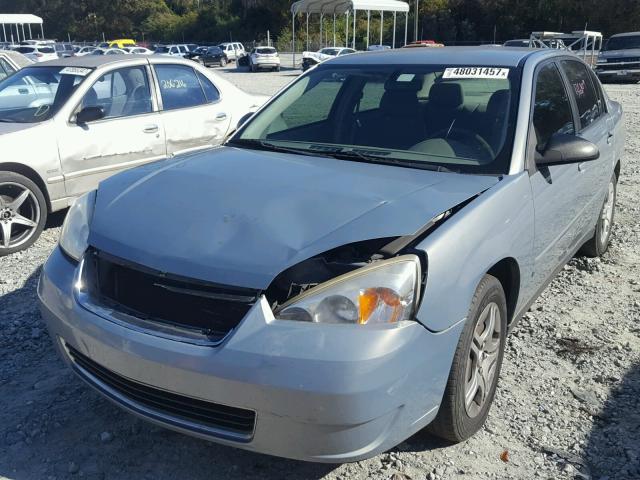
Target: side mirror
x,y
562,148
89,114
244,119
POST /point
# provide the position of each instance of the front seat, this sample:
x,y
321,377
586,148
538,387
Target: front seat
x,y
494,126
401,124
444,109
138,99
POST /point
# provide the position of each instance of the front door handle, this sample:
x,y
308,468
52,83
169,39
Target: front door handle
x,y
221,116
609,138
150,129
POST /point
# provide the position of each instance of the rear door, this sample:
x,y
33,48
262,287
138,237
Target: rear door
x,y
556,195
130,133
595,127
193,113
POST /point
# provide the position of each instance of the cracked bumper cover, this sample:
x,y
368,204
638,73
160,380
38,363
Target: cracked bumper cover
x,y
324,393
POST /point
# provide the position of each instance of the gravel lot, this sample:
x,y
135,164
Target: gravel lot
x,y
568,403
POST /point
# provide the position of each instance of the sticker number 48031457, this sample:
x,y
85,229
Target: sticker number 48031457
x,y
476,72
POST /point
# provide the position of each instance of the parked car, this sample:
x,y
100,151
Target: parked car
x,y
619,60
191,46
138,50
521,43
233,50
121,43
85,50
262,58
344,272
94,116
109,51
64,50
211,56
11,62
310,59
172,50
38,53
375,48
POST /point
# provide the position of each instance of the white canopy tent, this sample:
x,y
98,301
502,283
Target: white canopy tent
x,y
10,21
348,8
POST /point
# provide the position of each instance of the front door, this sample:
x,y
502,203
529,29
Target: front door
x,y
129,134
555,193
193,113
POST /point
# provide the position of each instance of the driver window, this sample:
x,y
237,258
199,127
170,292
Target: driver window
x,y
552,111
5,69
121,93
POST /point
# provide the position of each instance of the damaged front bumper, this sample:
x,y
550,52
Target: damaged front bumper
x,y
326,393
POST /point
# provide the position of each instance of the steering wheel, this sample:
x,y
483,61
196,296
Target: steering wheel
x,y
468,138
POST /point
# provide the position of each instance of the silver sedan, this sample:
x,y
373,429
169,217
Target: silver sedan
x,y
345,271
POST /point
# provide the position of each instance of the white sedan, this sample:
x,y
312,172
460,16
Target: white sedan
x,y
138,50
38,53
94,116
310,59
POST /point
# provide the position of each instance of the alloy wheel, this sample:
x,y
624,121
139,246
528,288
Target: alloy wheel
x,y
19,214
483,359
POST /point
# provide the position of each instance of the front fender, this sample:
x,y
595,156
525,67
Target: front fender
x,y
496,225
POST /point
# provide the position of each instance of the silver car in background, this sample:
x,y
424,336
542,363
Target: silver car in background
x,y
67,124
619,60
11,62
344,271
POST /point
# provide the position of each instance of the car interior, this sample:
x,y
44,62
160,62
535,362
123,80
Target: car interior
x,y
124,92
423,113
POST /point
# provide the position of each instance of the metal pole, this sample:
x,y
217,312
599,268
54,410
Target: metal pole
x,y
321,22
334,29
406,26
17,33
4,32
346,29
354,29
24,37
416,19
381,24
30,35
368,21
307,31
293,37
42,30
394,30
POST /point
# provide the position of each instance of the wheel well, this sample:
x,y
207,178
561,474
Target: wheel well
x,y
507,272
617,169
31,174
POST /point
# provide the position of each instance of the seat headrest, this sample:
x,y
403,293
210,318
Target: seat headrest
x,y
403,103
446,95
498,102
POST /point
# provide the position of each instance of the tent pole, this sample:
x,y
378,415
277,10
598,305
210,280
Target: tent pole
x,y
321,23
293,37
30,34
307,30
381,24
4,32
24,37
354,29
42,30
394,30
346,29
368,21
334,29
406,26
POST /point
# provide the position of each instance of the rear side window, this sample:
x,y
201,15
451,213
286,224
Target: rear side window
x,y
179,87
210,90
552,110
5,69
589,106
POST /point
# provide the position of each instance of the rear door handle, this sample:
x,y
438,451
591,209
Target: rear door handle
x,y
221,116
150,129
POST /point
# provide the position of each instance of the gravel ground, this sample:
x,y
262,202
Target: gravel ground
x,y
568,403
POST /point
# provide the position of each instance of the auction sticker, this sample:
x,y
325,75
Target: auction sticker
x,y
83,72
476,72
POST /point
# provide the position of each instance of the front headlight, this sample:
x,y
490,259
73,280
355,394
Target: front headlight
x,y
384,292
75,231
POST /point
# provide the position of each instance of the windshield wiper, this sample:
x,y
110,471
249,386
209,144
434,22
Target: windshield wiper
x,y
382,158
264,145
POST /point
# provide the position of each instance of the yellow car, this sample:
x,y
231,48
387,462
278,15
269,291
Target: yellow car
x,y
121,43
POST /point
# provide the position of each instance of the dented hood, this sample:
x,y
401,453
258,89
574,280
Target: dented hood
x,y
240,217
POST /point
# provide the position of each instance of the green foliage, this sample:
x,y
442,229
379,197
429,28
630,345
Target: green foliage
x,y
249,20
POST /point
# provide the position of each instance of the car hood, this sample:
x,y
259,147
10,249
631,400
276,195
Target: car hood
x,y
633,52
239,217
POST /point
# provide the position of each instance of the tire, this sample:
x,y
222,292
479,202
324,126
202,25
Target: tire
x,y
597,245
277,69
23,213
458,419
254,68
223,62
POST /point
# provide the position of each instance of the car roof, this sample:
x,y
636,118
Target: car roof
x,y
89,61
17,58
480,56
626,34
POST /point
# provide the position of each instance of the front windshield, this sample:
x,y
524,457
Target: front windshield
x,y
162,49
35,94
623,43
330,51
423,116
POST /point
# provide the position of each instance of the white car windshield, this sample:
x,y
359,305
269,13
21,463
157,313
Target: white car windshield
x,y
330,51
422,116
35,94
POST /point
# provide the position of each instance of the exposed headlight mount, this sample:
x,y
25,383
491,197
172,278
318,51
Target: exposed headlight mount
x,y
383,292
75,231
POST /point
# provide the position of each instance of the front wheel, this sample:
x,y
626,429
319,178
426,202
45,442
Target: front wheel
x,y
223,62
597,245
23,213
476,365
